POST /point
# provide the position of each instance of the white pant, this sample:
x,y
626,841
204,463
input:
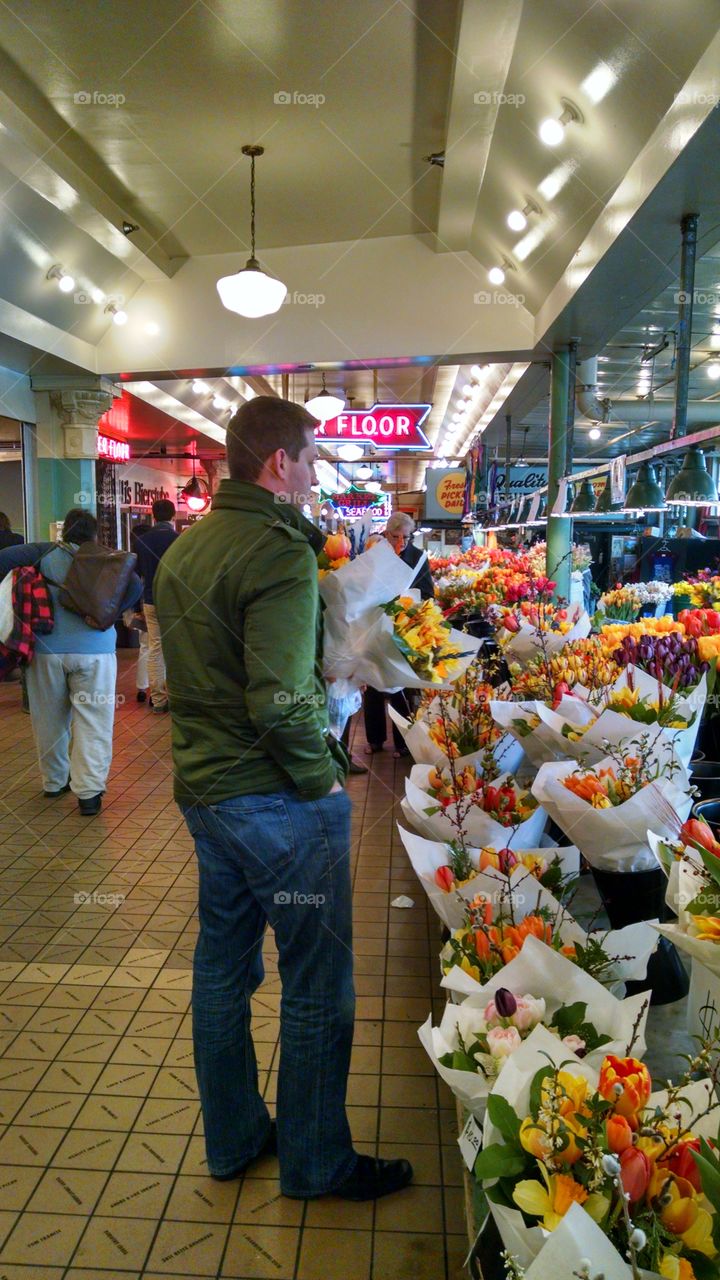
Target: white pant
x,y
141,670
156,662
72,708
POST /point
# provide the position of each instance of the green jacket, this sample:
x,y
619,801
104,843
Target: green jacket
x,y
237,598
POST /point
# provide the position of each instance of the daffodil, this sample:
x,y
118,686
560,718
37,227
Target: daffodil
x,y
552,1201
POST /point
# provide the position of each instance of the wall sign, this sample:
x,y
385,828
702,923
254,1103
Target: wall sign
x,y
112,450
137,495
523,480
445,495
389,426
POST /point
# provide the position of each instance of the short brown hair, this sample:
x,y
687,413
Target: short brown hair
x,y
259,428
5,525
79,526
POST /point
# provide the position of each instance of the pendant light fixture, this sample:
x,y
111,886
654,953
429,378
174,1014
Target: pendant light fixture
x,y
605,505
522,460
252,292
693,485
324,405
196,493
645,494
584,501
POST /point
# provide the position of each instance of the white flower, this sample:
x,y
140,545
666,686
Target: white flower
x,y
575,1044
502,1041
529,1012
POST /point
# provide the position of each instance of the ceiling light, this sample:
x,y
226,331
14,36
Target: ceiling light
x,y
605,506
496,275
65,282
199,387
584,503
594,433
517,219
645,494
552,131
374,486
457,417
251,292
476,372
196,494
219,402
324,405
118,315
693,486
713,370
350,452
468,390
364,471
599,82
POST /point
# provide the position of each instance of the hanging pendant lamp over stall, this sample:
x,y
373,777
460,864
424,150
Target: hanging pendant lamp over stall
x,y
196,493
252,292
693,485
325,405
645,494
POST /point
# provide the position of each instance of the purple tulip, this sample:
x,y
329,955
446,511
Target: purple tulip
x,y
505,1002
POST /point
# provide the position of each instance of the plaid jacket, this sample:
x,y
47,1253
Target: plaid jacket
x,y
32,612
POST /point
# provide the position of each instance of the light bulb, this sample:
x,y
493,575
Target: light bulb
x,y
119,316
467,390
713,371
66,284
496,275
476,372
97,296
199,387
219,402
594,434
516,220
551,132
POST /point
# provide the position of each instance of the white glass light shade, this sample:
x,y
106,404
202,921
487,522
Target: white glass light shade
x,y
251,292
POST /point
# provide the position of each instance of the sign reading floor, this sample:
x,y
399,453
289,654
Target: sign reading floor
x,y
388,426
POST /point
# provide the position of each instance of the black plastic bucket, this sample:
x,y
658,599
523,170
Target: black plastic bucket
x,y
709,811
630,897
705,776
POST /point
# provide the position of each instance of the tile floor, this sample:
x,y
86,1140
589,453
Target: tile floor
x,y
102,1169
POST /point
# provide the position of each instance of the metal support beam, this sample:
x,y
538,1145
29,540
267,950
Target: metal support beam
x,y
689,226
570,431
559,529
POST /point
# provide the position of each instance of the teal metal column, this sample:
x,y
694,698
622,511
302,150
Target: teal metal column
x,y
559,528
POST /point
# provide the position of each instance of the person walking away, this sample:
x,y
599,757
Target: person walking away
x,y
7,537
150,549
259,781
71,679
398,531
134,620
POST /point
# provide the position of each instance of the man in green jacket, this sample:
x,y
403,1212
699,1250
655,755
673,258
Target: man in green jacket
x,y
259,781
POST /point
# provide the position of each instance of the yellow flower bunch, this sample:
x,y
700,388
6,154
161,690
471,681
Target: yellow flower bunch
x,y
423,636
613,634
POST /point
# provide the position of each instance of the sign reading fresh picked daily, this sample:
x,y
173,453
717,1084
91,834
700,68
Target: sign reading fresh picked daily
x,y
387,426
445,494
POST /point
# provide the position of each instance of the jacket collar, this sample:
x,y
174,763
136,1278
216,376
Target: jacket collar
x,y
239,495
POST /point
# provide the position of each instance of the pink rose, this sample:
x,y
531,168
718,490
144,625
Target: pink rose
x,y
576,1045
502,1041
528,1013
490,1013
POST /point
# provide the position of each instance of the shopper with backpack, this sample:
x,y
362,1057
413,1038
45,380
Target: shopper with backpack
x,y
71,679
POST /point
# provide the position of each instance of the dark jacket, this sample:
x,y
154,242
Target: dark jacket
x,y
10,539
150,548
237,598
422,581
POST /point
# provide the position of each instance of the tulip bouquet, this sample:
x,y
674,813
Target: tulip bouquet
x,y
459,726
673,659
700,622
452,873
477,1037
335,554
584,662
539,629
467,804
620,603
496,928
609,808
703,589
425,639
558,1133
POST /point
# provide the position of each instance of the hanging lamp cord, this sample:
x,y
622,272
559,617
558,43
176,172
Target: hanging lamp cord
x,y
252,206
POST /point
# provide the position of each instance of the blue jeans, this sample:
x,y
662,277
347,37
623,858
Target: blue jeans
x,y
280,859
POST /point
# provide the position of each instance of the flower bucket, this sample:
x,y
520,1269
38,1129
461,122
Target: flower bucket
x,y
632,896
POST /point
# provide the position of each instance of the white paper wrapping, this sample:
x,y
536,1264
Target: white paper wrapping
x,y
544,974
702,951
524,645
612,839
514,1082
373,578
427,855
481,830
507,751
635,941
365,652
538,745
576,1239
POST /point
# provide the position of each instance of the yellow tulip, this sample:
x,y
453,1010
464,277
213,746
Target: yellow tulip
x,y
674,1268
552,1201
707,928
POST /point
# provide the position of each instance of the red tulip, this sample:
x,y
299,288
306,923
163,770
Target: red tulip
x,y
634,1173
680,1161
444,878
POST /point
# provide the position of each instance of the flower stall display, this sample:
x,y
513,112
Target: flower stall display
x,y
624,602
497,927
541,629
702,589
452,873
582,662
559,1132
458,725
490,813
608,809
475,1039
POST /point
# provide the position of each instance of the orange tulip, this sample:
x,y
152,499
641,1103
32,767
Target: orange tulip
x,y
619,1134
482,944
626,1083
681,1162
634,1173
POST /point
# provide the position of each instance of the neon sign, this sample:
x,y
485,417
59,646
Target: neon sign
x,y
389,426
113,450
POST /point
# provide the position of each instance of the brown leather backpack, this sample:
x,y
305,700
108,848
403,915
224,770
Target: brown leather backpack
x,y
96,583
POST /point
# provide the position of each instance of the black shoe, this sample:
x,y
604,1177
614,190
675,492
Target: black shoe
x,y
88,808
269,1148
60,792
371,1179
160,711
356,767
141,695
